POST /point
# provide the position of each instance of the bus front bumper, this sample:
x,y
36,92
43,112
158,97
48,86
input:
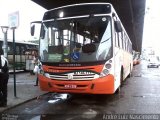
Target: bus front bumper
x,y
104,85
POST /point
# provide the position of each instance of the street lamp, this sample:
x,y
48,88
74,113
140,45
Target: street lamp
x,y
5,44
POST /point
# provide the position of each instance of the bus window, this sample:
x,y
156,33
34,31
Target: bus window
x,y
10,50
17,50
116,40
105,44
120,40
83,31
22,50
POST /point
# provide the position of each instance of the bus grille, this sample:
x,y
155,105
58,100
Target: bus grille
x,y
71,76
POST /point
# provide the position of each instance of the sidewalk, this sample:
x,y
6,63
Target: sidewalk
x,y
25,89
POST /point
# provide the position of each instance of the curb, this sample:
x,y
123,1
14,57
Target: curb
x,y
21,103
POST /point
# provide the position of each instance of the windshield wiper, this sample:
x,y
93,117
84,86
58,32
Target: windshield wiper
x,y
106,40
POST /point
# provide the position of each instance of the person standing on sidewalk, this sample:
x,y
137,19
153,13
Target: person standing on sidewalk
x,y
36,66
36,71
4,76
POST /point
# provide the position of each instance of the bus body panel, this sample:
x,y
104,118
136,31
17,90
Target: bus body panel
x,y
103,85
52,69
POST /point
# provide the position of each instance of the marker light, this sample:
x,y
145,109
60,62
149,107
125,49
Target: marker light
x,y
61,14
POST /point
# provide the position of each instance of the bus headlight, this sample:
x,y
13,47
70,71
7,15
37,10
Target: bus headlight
x,y
105,72
41,70
47,75
108,66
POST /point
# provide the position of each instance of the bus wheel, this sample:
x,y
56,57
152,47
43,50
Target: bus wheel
x,y
121,77
121,81
129,75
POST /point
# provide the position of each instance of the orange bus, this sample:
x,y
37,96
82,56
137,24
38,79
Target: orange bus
x,y
84,48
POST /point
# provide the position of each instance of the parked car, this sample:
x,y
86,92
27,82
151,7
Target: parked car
x,y
136,62
153,64
136,58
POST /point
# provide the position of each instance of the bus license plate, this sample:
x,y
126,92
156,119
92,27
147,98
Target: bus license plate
x,y
70,86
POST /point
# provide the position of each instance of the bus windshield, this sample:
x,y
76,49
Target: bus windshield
x,y
80,39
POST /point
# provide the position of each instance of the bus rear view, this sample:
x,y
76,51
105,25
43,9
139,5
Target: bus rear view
x,y
77,50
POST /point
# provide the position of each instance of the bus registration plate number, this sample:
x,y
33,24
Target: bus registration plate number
x,y
70,86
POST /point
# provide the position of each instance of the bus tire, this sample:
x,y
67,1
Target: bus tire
x,y
121,81
121,77
130,74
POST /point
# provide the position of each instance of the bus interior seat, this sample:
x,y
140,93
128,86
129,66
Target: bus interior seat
x,y
89,48
78,45
88,52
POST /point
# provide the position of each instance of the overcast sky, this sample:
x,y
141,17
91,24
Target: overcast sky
x,y
151,36
28,11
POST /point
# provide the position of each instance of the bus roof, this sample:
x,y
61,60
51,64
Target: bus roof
x,y
20,42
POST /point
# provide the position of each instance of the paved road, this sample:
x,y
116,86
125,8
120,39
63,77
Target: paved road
x,y
139,95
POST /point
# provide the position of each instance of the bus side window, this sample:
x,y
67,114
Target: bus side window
x,y
10,49
117,43
22,50
124,42
120,39
45,55
116,40
17,50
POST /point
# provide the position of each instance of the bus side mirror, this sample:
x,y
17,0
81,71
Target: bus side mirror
x,y
42,32
1,51
35,28
32,30
118,26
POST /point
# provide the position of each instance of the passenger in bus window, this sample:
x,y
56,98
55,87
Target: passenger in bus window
x,y
77,47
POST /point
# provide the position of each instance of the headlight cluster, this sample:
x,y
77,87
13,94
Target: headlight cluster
x,y
106,69
43,73
47,75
